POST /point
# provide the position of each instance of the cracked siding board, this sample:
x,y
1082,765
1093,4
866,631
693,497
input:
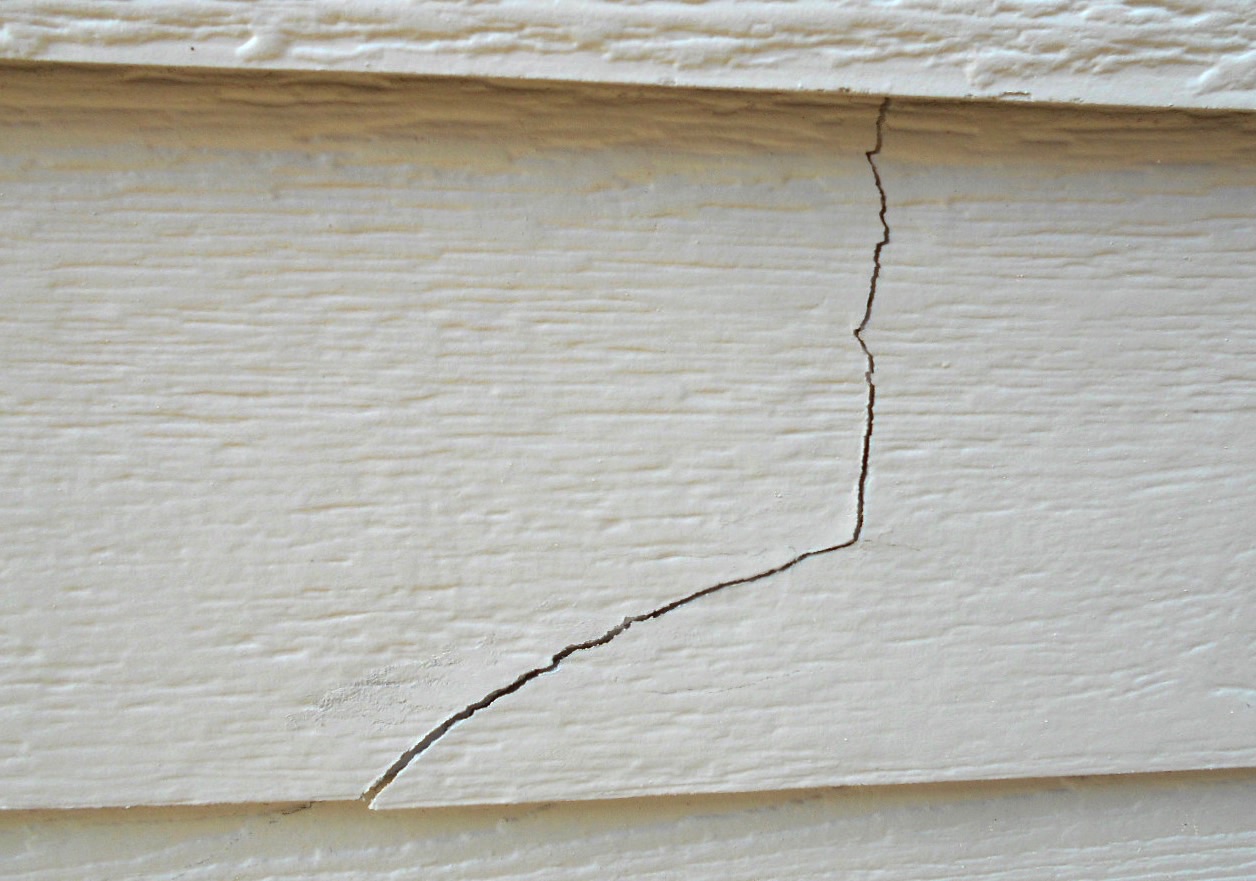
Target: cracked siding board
x,y
1054,575
1123,829
215,614
332,403
1171,53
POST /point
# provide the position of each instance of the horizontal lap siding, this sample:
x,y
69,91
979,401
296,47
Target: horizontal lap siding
x,y
1175,53
330,409
1119,829
240,564
1054,575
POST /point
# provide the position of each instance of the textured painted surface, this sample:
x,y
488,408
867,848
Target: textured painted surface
x,y
1055,570
335,405
1133,829
329,408
1167,53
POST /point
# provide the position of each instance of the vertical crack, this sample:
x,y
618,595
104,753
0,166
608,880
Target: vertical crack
x,y
403,761
870,362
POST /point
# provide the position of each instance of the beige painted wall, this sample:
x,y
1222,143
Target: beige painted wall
x,y
454,442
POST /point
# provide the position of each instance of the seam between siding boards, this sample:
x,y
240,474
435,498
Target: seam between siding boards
x,y
403,761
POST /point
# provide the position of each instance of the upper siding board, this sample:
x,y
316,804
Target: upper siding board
x,y
1174,53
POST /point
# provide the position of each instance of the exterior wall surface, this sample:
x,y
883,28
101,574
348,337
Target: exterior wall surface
x,y
1170,53
499,477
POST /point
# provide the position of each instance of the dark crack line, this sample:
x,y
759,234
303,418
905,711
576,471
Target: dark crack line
x,y
403,761
871,364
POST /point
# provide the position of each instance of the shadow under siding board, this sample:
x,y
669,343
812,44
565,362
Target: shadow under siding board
x,y
1135,828
331,404
1054,575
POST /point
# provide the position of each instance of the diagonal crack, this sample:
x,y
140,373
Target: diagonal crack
x,y
403,761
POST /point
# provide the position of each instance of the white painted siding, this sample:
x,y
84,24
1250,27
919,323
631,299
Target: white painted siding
x,y
341,411
1115,829
651,464
329,415
1180,53
1054,576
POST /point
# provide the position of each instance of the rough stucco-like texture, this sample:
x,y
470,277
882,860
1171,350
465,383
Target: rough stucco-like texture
x,y
1172,53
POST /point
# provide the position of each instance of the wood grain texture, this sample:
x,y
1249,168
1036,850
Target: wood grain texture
x,y
1055,571
1168,53
1136,829
331,405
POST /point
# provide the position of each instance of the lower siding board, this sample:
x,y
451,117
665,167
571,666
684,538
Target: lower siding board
x,y
1135,828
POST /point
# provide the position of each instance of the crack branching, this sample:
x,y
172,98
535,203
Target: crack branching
x,y
404,760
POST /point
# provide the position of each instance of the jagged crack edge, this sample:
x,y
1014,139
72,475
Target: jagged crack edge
x,y
870,362
404,760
